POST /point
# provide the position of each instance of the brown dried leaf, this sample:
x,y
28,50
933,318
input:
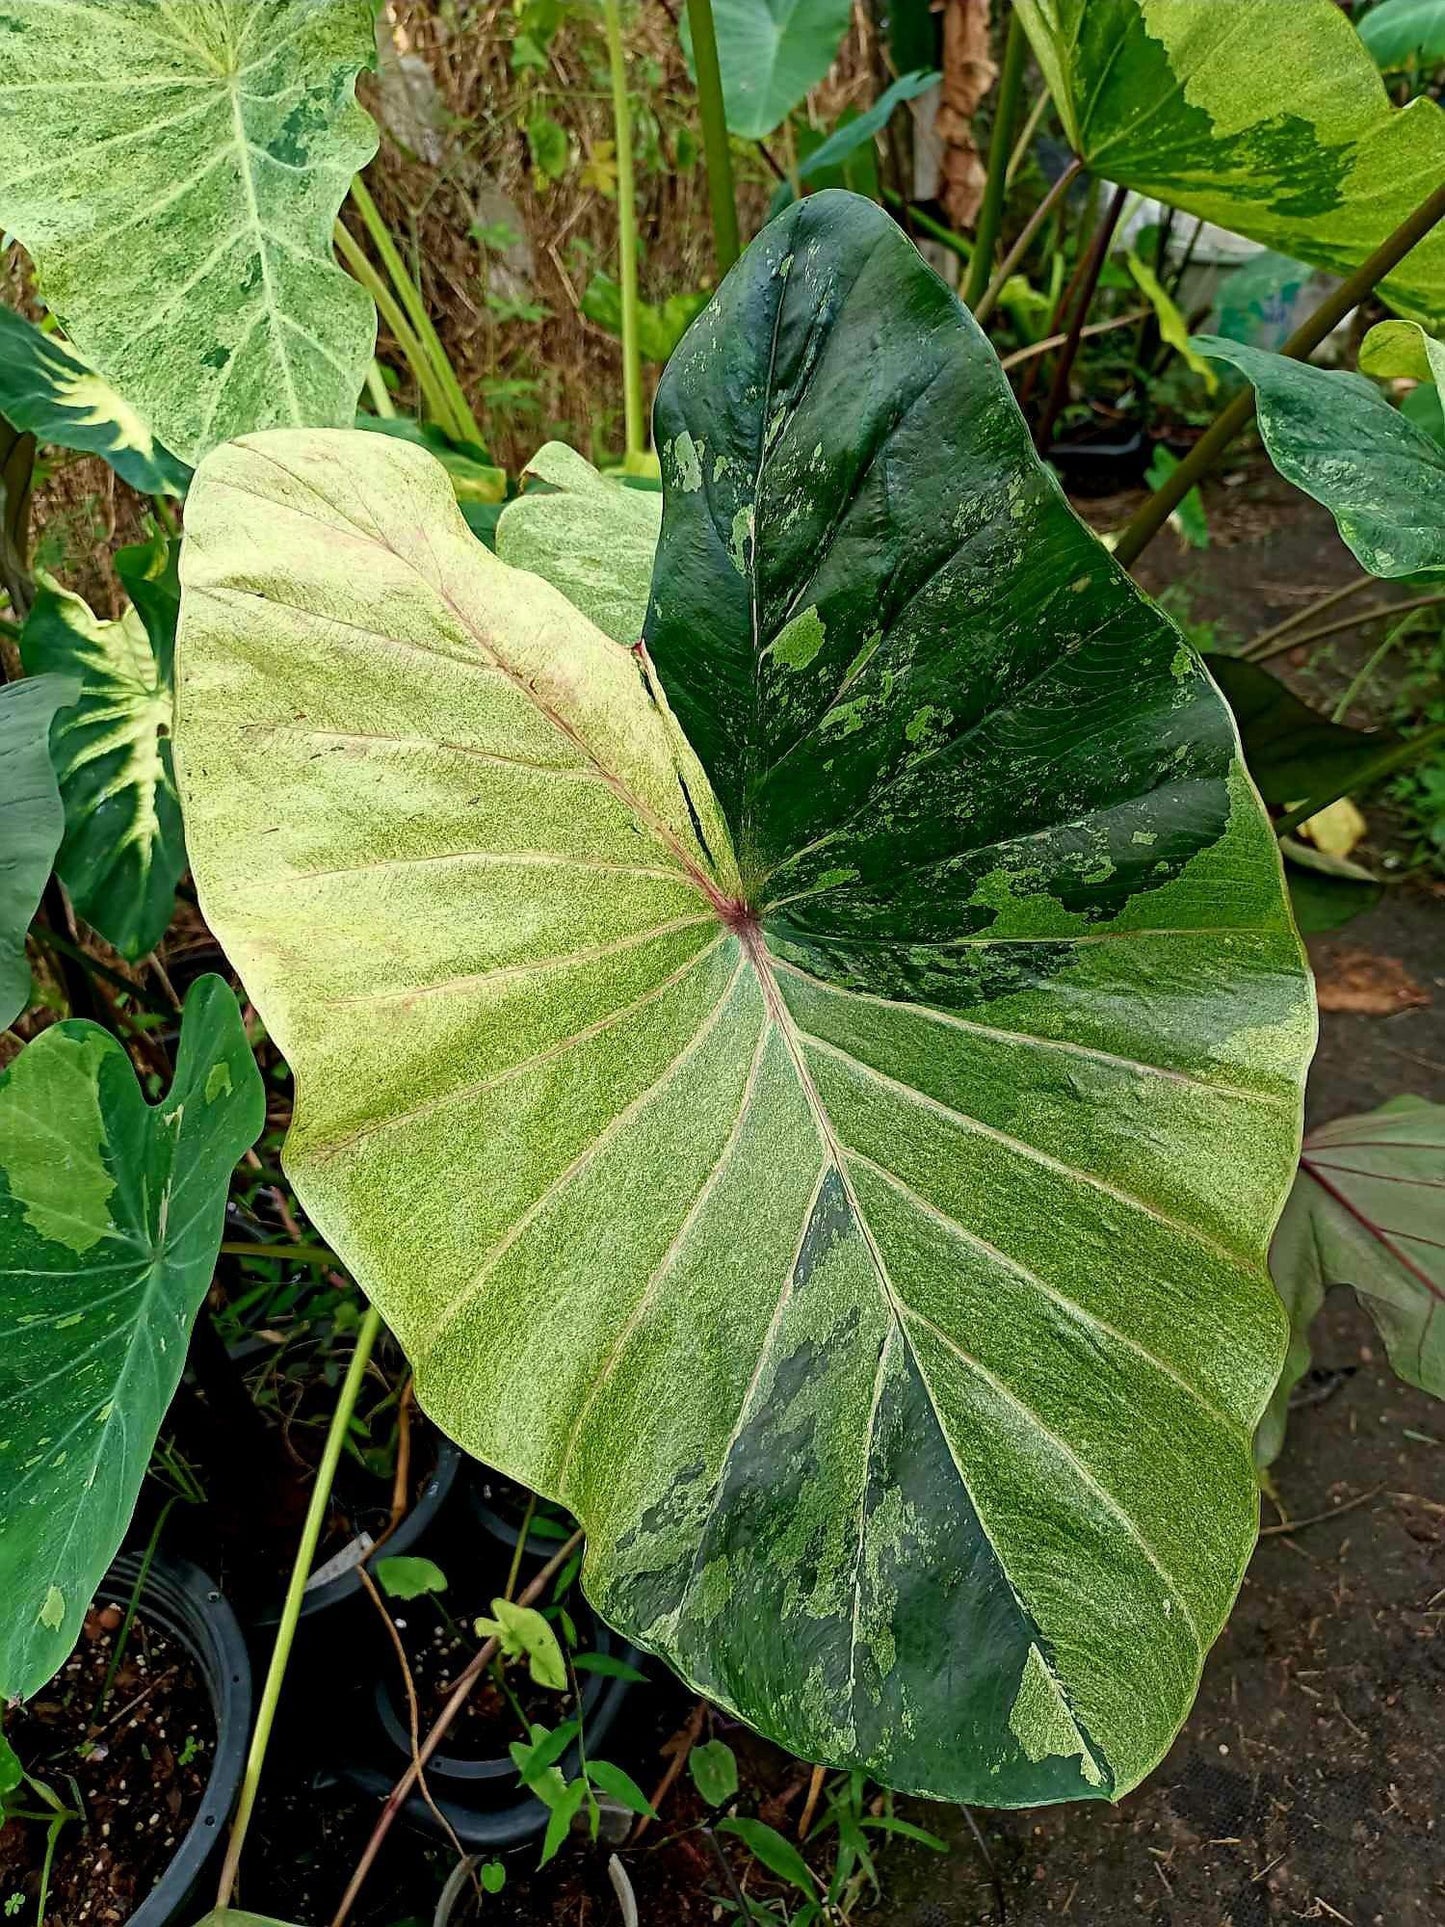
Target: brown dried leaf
x,y
1365,984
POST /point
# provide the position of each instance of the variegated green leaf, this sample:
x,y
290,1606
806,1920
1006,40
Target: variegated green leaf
x,y
1270,119
1337,437
174,171
123,852
31,821
588,535
110,1216
855,1209
47,390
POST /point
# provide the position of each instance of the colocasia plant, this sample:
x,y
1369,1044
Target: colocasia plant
x,y
797,1021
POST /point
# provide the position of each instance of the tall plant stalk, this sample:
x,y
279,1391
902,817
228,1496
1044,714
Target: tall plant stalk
x,y
716,147
459,422
1000,147
1300,346
434,400
1094,267
291,1611
988,300
635,426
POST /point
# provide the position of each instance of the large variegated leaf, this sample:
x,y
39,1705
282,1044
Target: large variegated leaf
x,y
1335,436
1368,1210
854,1210
174,170
110,1217
47,391
123,852
588,535
1267,116
31,821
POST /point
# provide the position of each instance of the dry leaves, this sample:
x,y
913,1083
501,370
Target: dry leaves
x,y
1365,984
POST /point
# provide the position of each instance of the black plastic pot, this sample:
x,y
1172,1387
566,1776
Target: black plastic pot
x,y
178,1597
1102,466
495,1523
347,1585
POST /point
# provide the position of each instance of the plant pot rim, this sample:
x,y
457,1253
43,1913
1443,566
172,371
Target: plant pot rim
x,y
186,1603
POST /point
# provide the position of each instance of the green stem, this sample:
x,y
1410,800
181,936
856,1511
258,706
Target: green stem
x,y
288,1254
1365,676
988,300
521,1545
376,388
1063,371
635,424
990,214
1026,139
291,1611
1379,611
461,421
433,401
1368,774
716,147
1304,616
1300,346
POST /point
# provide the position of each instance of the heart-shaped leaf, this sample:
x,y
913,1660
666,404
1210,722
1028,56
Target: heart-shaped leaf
x,y
1399,32
123,852
1335,436
1368,1210
771,53
174,172
1271,120
854,1209
31,821
110,1216
49,391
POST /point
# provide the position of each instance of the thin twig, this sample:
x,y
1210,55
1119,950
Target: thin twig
x,y
988,300
1098,254
1310,610
810,1805
1050,342
686,1741
413,1717
460,1693
993,1874
1380,611
1318,1518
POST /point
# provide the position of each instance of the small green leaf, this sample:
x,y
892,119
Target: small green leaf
x,y
1189,518
714,1770
409,1577
771,52
123,851
606,1664
778,1855
110,1216
47,389
493,1876
545,1750
660,326
175,172
611,1779
846,139
1173,328
564,1812
32,821
550,149
524,1633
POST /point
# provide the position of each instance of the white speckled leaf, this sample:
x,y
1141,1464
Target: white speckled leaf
x,y
110,1216
854,1210
174,170
1337,437
31,821
1267,116
588,535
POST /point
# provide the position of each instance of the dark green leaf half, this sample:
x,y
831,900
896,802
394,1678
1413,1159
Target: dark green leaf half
x,y
49,391
1368,1210
31,821
1335,436
1292,752
1270,119
123,852
110,1216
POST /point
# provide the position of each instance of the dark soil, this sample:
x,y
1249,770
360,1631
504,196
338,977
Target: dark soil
x,y
134,1770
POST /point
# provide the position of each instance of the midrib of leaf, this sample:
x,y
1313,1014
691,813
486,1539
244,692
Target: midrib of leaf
x,y
1371,1229
243,156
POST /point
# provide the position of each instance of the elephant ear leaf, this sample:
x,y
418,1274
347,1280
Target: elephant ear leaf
x,y
1338,438
1367,1210
110,1217
48,391
867,1018
771,53
31,821
179,204
588,535
1200,103
123,852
